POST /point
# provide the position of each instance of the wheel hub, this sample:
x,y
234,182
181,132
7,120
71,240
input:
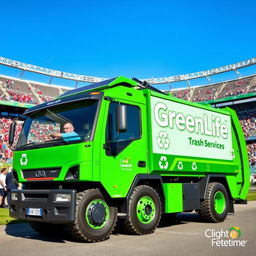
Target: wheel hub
x,y
146,209
219,202
97,214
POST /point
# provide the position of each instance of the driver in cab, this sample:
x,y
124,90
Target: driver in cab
x,y
68,135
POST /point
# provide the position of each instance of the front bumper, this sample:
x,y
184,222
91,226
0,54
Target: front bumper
x,y
51,210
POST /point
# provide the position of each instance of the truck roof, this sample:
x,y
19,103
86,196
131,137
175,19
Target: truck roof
x,y
102,85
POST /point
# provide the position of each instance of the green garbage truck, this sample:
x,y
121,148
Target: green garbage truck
x,y
122,150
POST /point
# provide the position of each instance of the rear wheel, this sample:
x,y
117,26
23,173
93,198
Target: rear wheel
x,y
215,206
95,219
144,211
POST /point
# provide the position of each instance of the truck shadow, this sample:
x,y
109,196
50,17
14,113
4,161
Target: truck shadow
x,y
167,220
23,230
181,218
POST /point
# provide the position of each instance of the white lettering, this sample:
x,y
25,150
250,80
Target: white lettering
x,y
163,120
190,123
171,117
207,132
204,125
180,122
224,131
208,231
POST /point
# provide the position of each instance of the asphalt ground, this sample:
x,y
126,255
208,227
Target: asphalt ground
x,y
186,236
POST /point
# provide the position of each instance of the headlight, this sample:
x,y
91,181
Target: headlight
x,y
63,197
14,196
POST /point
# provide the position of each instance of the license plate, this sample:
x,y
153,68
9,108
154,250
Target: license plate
x,y
34,211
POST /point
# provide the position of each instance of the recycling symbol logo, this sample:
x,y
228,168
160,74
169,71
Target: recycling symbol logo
x,y
23,159
163,140
194,166
232,154
163,163
180,165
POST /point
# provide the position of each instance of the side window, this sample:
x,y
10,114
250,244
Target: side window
x,y
133,131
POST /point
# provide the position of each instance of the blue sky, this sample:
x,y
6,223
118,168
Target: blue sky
x,y
131,38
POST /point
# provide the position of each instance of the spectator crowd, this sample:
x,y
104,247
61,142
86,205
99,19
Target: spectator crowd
x,y
248,125
40,132
18,93
218,90
22,92
5,150
251,147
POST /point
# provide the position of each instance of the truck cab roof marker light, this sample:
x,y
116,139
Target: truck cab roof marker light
x,y
94,93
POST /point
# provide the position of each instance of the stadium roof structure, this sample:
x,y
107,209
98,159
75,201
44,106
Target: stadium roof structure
x,y
23,67
232,100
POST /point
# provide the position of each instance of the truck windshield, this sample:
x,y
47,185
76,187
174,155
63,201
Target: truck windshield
x,y
64,124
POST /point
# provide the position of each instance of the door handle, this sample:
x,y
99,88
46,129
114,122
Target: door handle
x,y
142,164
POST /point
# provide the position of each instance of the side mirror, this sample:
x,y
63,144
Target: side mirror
x,y
121,118
12,132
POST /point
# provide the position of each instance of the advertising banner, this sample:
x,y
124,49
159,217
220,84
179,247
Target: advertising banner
x,y
179,129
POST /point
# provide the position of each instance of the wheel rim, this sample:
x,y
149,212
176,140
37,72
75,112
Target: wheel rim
x,y
219,202
146,209
97,214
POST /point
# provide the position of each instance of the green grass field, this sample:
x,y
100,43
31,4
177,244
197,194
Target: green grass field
x,y
6,219
251,196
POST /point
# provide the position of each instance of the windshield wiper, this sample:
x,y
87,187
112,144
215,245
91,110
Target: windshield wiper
x,y
56,140
42,143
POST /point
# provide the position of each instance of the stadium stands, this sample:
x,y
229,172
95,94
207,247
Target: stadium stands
x,y
235,88
252,87
251,147
13,89
183,94
205,93
217,91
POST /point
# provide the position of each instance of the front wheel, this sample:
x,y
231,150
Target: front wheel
x,y
215,206
95,219
144,211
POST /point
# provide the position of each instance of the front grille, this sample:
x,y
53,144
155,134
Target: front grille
x,y
41,173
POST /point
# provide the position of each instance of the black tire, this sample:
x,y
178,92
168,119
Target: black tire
x,y
45,228
85,228
132,223
208,210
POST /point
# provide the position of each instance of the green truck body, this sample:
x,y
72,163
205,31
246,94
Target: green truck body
x,y
138,154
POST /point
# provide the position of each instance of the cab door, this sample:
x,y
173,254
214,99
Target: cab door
x,y
125,148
